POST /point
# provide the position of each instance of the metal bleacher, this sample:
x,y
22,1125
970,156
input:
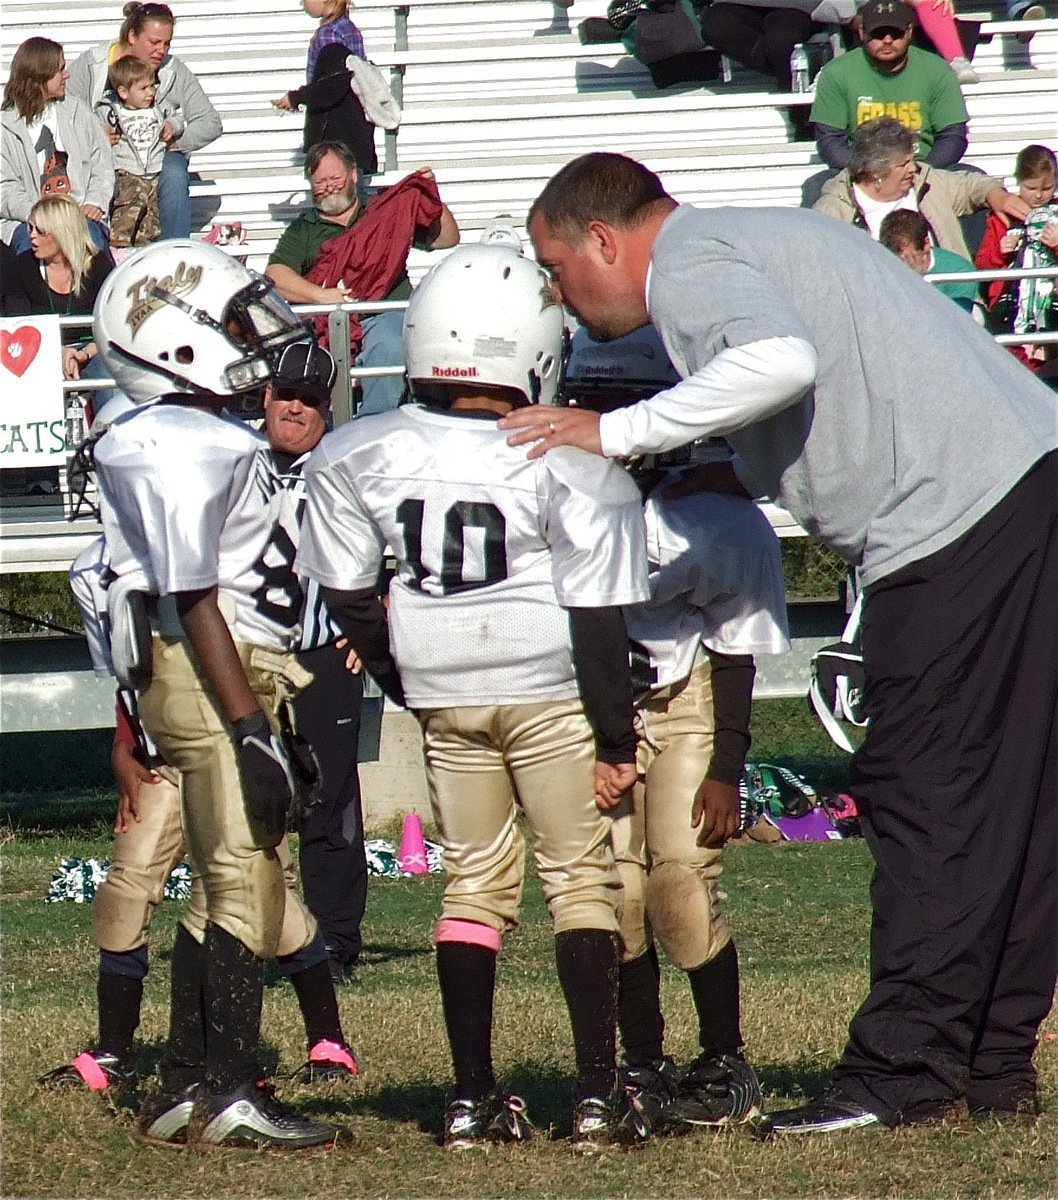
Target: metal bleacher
x,y
497,95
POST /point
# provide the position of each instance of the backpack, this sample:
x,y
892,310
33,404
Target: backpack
x,y
837,678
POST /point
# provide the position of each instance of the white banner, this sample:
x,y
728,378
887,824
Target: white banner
x,y
32,409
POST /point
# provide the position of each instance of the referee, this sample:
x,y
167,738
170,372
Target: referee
x,y
331,856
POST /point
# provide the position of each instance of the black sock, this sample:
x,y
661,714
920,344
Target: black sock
x,y
119,998
233,990
319,1006
639,1008
714,986
587,970
185,1054
467,975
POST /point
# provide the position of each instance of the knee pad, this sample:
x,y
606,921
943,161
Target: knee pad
x,y
299,929
122,910
684,914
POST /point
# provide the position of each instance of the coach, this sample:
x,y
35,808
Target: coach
x,y
921,452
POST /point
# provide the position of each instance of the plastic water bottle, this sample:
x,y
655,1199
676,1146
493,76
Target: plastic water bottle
x,y
800,81
75,423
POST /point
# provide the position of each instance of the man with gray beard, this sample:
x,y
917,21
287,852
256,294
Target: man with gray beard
x,y
337,205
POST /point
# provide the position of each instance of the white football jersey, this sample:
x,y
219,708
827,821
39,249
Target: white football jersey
x,y
490,548
188,501
715,580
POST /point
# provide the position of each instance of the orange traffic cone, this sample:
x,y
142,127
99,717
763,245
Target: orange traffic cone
x,y
411,857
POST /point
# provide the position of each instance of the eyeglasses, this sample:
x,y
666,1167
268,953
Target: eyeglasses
x,y
289,395
879,35
36,229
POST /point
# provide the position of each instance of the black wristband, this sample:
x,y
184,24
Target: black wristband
x,y
253,723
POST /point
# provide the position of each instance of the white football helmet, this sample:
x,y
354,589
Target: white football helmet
x,y
485,315
603,376
613,374
183,316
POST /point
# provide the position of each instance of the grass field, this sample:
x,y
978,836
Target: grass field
x,y
800,915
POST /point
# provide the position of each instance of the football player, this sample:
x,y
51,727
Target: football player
x,y
505,605
716,599
149,841
204,632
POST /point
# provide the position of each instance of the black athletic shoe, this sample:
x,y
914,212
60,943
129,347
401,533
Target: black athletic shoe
x,y
831,1113
600,1124
653,1087
495,1120
252,1116
93,1069
164,1115
717,1090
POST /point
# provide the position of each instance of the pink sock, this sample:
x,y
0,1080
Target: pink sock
x,y
940,29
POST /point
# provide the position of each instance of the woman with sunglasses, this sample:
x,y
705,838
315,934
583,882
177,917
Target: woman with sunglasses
x,y
51,145
146,34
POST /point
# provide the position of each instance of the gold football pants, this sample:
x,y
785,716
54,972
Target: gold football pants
x,y
482,764
671,883
245,891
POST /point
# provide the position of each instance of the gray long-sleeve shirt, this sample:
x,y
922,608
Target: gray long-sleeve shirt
x,y
859,398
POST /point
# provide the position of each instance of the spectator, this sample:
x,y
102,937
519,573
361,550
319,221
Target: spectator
x,y
144,130
883,175
51,145
337,205
333,113
906,233
887,76
937,18
62,272
1007,244
760,36
145,34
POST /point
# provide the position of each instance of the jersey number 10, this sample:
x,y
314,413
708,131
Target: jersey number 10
x,y
463,514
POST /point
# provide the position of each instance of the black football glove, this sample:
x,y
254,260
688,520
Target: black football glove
x,y
305,768
267,778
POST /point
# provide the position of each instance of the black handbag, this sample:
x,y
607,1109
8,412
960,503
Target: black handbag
x,y
669,42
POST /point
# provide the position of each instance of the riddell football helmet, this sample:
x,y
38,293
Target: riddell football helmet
x,y
607,375
183,316
488,316
603,376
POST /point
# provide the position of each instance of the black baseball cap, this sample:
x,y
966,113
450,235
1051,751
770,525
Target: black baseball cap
x,y
885,14
307,369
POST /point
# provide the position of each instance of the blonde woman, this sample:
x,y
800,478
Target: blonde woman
x,y
51,144
62,271
332,112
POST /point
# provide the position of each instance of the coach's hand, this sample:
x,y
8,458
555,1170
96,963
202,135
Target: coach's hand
x,y
546,427
714,813
267,780
612,781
